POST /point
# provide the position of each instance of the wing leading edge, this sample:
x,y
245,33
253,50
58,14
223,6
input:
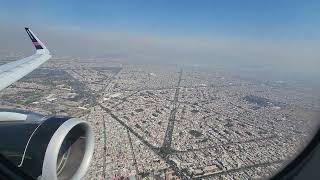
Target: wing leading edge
x,y
13,71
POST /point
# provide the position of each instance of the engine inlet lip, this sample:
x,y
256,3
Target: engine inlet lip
x,y
51,155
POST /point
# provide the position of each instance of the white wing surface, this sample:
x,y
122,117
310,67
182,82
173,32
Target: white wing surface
x,y
13,71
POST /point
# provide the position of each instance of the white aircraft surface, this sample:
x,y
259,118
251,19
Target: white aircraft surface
x,y
40,147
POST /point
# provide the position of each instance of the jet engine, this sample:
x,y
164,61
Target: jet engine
x,y
55,148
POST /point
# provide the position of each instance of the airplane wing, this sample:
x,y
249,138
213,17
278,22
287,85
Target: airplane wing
x,y
53,147
13,71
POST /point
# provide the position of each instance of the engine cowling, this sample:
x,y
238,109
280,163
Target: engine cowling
x,y
48,148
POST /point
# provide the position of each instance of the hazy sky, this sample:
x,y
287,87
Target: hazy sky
x,y
281,32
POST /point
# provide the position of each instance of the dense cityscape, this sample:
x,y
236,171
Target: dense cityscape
x,y
155,121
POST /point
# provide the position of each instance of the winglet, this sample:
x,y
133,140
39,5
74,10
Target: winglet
x,y
36,41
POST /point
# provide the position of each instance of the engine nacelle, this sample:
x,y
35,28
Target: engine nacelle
x,y
47,148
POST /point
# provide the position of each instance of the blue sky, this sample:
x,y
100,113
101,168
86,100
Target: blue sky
x,y
289,19
283,34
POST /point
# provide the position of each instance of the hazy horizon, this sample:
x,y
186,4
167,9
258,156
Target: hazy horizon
x,y
280,37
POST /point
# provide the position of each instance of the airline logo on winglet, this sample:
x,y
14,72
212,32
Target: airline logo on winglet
x,y
33,39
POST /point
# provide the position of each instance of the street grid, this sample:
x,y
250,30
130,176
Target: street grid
x,y
156,121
